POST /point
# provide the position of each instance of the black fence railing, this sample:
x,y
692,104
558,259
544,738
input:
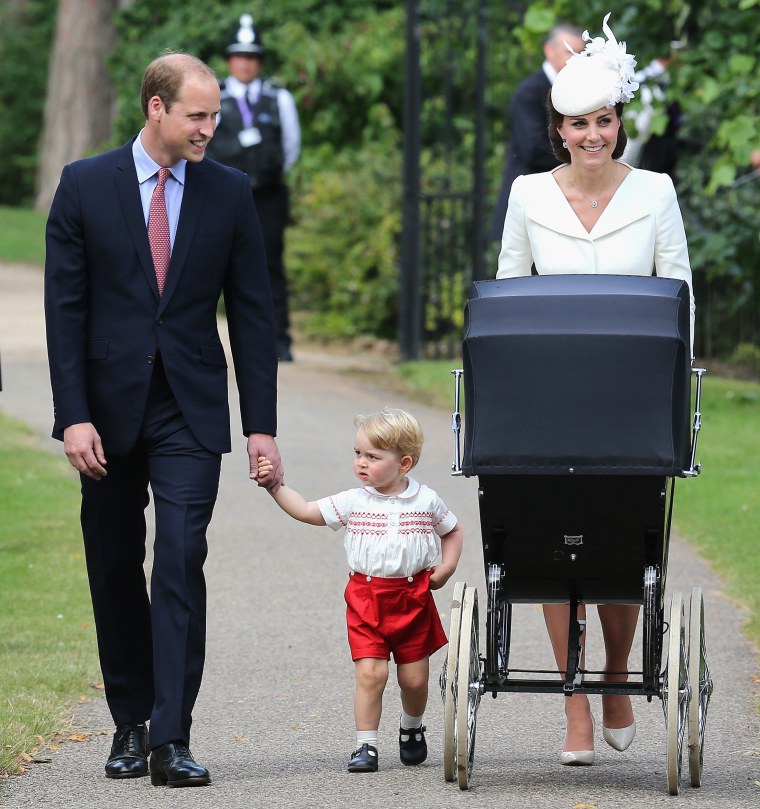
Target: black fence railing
x,y
728,314
443,243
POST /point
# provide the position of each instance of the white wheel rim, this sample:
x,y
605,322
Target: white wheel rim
x,y
468,687
449,685
676,693
701,685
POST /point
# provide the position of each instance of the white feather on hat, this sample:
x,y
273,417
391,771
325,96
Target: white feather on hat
x,y
600,76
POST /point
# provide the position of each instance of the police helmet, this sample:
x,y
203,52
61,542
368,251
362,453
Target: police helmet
x,y
246,39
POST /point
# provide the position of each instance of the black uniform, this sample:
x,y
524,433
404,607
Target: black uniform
x,y
264,163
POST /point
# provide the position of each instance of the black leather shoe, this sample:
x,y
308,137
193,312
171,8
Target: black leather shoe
x,y
173,765
129,752
364,759
412,745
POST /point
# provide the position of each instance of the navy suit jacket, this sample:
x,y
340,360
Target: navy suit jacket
x,y
106,322
530,150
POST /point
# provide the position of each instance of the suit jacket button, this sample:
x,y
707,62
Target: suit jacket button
x,y
151,360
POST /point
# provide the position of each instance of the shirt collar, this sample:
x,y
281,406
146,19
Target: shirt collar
x,y
237,89
147,167
412,487
549,72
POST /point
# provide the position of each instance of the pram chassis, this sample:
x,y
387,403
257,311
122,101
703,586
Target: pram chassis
x,y
620,556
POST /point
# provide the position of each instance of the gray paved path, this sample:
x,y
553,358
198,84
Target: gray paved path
x,y
274,718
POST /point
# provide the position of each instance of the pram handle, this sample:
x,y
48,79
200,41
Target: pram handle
x,y
695,467
456,424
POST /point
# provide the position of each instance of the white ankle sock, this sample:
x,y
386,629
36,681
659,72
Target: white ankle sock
x,y
410,722
366,737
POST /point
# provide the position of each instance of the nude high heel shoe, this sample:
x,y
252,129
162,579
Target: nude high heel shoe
x,y
619,738
578,758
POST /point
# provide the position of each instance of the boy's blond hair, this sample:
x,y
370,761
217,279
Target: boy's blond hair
x,y
395,429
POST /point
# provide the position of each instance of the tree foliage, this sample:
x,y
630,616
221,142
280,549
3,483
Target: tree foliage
x,y
25,33
344,63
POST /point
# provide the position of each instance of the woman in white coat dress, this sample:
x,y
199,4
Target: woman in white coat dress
x,y
594,214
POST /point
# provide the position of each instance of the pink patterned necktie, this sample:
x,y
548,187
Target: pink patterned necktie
x,y
158,230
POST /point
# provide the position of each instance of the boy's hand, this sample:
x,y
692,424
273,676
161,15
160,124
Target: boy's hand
x,y
264,469
439,576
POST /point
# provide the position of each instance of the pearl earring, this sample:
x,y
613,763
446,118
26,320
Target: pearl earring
x,y
564,144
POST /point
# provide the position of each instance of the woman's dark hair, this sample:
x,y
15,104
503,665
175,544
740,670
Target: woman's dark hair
x,y
556,119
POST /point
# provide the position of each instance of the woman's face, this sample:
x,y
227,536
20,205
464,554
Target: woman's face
x,y
591,138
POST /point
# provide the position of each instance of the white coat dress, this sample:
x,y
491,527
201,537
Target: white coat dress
x,y
639,231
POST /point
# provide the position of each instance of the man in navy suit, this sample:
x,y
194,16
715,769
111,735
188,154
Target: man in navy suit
x,y
139,379
529,150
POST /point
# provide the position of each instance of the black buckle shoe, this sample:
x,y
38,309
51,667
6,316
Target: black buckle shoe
x,y
412,745
173,765
364,759
129,752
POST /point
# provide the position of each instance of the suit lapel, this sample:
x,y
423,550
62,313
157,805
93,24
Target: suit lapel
x,y
128,190
189,215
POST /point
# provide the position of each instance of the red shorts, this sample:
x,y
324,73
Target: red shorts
x,y
395,616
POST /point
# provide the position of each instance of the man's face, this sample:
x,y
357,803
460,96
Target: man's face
x,y
244,67
557,54
183,132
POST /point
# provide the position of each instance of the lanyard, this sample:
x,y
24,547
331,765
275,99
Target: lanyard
x,y
245,111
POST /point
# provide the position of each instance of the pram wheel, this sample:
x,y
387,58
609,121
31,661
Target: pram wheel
x,y
468,687
701,685
676,692
652,626
448,685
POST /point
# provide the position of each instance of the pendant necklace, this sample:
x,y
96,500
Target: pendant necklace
x,y
594,202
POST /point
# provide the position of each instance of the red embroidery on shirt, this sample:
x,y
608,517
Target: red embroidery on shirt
x,y
367,522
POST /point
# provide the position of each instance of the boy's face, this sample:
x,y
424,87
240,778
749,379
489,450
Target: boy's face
x,y
383,469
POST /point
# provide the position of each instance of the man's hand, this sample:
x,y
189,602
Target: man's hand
x,y
263,445
83,448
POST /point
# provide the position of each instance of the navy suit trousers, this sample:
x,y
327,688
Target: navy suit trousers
x,y
152,649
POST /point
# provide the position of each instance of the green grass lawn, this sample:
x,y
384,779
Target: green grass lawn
x,y
719,512
48,657
23,235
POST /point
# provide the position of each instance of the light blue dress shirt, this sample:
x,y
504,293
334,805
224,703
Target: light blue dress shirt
x,y
147,176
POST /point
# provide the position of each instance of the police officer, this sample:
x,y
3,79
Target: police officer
x,y
258,132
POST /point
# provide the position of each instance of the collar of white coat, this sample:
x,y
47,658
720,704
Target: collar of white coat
x,y
547,206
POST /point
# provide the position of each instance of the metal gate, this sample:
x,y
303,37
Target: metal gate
x,y
443,242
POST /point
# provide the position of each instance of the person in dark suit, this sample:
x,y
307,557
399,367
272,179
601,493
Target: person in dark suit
x,y
139,380
529,150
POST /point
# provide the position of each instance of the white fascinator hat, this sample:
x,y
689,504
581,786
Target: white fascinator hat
x,y
601,75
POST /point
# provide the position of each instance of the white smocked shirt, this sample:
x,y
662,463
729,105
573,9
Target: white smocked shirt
x,y
389,536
